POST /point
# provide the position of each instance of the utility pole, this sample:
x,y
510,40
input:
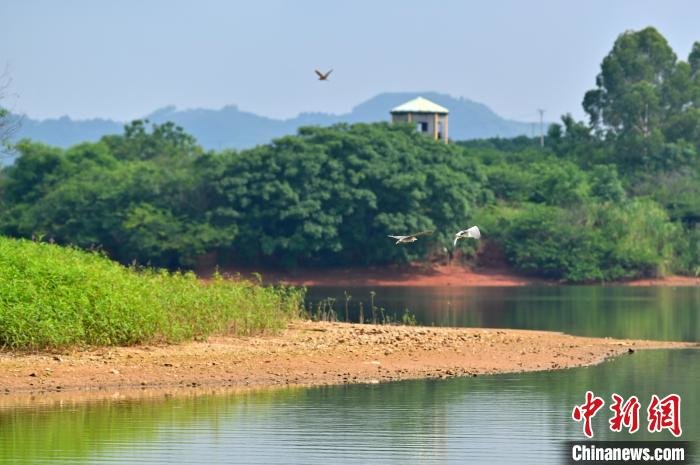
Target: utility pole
x,y
541,111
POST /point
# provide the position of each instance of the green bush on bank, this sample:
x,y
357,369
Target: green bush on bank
x,y
329,196
588,242
53,296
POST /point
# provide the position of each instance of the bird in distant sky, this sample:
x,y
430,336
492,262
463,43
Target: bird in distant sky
x,y
410,237
472,232
323,77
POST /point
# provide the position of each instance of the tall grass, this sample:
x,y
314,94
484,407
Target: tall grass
x,y
53,296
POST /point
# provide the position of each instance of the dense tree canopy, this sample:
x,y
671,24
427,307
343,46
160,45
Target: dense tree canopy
x,y
325,196
646,100
331,195
134,196
614,198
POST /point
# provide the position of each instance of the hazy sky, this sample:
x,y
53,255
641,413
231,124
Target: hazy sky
x,y
123,59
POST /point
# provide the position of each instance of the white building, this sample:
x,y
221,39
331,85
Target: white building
x,y
429,118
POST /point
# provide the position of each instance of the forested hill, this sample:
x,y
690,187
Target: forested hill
x,y
230,127
615,197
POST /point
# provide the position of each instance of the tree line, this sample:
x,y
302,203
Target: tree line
x,y
615,197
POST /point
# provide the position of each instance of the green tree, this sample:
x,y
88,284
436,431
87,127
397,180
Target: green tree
x,y
331,195
632,74
138,196
606,184
645,99
694,63
30,177
165,142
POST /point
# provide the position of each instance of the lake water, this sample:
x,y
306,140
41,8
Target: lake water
x,y
661,313
494,419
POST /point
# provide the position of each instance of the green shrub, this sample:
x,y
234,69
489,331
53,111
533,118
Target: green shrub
x,y
52,296
552,242
587,243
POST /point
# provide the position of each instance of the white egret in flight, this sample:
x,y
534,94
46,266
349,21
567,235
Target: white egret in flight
x,y
472,232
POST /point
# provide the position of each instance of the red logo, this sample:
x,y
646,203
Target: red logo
x,y
587,411
661,414
665,414
626,414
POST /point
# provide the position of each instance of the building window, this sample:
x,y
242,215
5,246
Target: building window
x,y
422,126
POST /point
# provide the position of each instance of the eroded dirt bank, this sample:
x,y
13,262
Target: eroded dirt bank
x,y
427,275
306,353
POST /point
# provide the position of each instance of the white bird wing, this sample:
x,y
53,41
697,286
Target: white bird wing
x,y
456,239
474,232
399,237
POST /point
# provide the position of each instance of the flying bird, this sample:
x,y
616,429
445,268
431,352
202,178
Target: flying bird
x,y
410,238
323,77
472,232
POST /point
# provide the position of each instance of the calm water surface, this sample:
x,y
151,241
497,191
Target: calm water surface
x,y
496,419
662,313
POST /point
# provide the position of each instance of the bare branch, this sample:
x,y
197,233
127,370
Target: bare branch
x,y
9,122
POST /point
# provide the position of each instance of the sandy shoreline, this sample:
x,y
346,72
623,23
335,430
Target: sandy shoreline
x,y
429,275
305,354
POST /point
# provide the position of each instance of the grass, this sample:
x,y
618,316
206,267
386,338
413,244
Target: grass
x,y
53,297
324,310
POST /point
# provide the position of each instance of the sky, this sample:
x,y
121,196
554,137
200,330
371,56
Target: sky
x,y
124,59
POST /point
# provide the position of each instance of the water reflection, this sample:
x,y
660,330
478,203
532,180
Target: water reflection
x,y
662,313
497,419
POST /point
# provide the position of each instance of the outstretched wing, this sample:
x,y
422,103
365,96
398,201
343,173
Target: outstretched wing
x,y
320,74
422,233
456,239
398,238
328,73
474,232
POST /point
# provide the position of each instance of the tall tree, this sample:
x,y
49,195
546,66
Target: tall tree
x,y
694,61
627,94
646,100
685,121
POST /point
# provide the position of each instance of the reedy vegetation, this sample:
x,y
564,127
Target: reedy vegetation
x,y
52,297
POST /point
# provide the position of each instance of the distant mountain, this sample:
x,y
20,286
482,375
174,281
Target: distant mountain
x,y
231,127
64,131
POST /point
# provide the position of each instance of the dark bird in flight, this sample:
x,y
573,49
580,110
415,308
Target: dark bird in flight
x,y
323,77
410,238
